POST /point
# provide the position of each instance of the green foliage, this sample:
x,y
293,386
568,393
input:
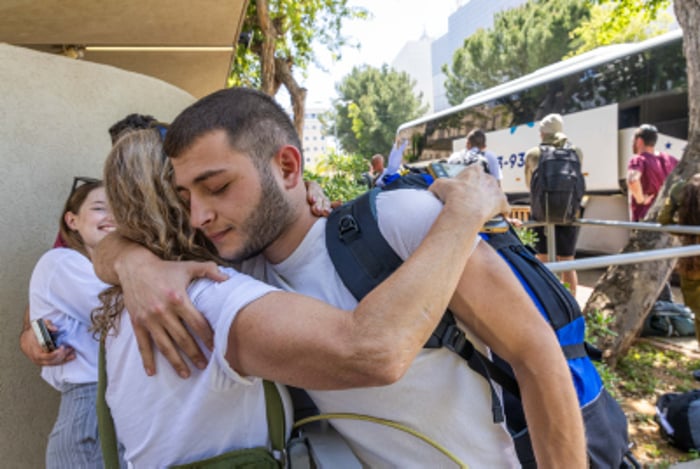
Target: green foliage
x,y
620,22
633,369
597,326
522,40
527,236
340,175
298,27
373,103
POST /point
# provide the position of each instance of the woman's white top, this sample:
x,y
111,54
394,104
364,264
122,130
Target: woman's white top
x,y
64,289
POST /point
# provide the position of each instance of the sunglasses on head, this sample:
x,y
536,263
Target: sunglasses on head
x,y
81,180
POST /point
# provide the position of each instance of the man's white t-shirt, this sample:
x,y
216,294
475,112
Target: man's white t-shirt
x,y
165,420
64,289
440,396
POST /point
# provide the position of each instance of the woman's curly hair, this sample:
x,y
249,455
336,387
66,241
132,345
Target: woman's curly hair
x,y
147,211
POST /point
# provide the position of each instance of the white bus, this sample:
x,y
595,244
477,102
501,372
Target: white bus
x,y
603,96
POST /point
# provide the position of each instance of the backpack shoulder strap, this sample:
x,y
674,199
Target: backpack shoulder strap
x,y
559,307
105,424
360,254
363,259
274,410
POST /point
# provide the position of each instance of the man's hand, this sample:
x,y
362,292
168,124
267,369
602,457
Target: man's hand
x,y
29,345
155,294
478,191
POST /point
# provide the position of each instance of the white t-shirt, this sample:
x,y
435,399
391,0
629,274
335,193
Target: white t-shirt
x,y
64,289
439,396
461,157
166,420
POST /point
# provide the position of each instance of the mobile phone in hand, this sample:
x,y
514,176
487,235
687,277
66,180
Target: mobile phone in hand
x,y
43,335
497,224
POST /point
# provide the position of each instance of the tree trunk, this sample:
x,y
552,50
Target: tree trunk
x,y
267,54
297,94
627,292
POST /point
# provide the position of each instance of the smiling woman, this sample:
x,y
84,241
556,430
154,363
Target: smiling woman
x,y
63,290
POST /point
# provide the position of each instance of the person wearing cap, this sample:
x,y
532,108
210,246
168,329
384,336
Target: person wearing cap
x,y
646,171
551,133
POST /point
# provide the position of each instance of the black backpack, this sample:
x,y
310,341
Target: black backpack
x,y
363,258
678,416
557,185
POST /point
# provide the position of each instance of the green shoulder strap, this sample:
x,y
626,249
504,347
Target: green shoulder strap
x,y
275,421
108,437
105,424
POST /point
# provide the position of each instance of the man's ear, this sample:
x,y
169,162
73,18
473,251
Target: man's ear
x,y
289,160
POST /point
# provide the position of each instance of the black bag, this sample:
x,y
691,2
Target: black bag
x,y
678,416
363,258
668,319
557,185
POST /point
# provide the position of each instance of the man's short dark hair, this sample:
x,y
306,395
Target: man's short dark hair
x,y
648,133
477,138
130,122
254,123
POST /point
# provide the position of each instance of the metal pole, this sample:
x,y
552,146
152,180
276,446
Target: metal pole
x,y
551,242
625,258
635,225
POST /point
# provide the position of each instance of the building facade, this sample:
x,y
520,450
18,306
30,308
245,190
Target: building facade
x,y
316,144
414,59
424,58
461,24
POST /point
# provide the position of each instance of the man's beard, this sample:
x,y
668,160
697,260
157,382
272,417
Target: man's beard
x,y
268,219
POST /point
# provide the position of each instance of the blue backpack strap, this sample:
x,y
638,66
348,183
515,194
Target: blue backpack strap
x,y
559,307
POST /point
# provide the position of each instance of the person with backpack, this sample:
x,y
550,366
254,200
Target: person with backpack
x,y
553,175
162,420
243,193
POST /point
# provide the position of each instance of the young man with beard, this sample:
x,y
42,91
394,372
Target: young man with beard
x,y
237,164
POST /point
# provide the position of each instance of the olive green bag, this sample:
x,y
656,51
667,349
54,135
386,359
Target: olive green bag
x,y
252,458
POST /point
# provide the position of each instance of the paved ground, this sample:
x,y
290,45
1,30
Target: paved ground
x,y
688,345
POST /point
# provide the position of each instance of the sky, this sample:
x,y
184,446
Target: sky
x,y
381,37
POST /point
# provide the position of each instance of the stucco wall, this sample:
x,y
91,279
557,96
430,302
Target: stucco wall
x,y
54,116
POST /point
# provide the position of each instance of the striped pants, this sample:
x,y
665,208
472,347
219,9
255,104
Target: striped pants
x,y
74,441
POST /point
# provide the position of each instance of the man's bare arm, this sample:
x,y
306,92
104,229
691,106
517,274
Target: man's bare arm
x,y
511,325
634,185
156,298
300,341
